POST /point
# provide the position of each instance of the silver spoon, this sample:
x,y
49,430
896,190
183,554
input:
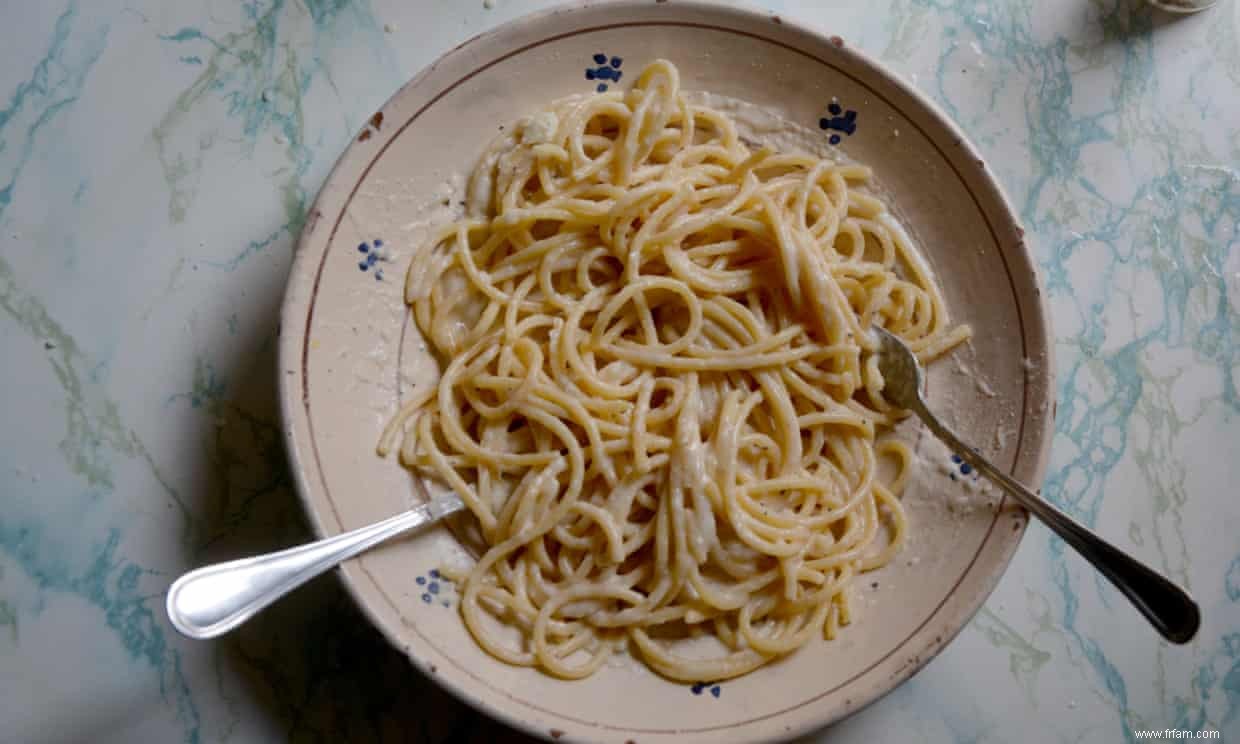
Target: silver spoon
x,y
1168,607
213,600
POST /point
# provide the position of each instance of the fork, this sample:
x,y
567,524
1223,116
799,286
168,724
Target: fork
x,y
1170,609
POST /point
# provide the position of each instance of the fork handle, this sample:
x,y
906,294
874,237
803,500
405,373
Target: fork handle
x,y
1168,607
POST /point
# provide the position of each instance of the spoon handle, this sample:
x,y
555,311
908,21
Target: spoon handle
x,y
212,600
1168,607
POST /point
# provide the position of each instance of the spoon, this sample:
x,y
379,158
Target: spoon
x,y
1168,607
213,600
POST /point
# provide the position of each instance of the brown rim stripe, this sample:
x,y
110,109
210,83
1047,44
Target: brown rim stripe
x,y
683,24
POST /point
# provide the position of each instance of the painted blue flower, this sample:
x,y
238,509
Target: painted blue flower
x,y
607,69
436,586
699,687
838,121
964,467
372,254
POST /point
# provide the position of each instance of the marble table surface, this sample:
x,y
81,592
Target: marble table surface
x,y
156,163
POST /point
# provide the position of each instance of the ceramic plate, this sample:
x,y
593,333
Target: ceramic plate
x,y
348,353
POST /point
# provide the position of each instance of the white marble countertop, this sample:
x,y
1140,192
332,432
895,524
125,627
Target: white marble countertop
x,y
156,163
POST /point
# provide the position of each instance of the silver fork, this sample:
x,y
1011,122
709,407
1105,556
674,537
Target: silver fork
x,y
1168,607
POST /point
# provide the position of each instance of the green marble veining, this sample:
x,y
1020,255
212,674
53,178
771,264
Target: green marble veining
x,y
1143,271
8,618
94,430
54,83
1025,659
260,73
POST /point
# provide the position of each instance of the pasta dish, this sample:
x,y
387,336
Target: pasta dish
x,y
657,396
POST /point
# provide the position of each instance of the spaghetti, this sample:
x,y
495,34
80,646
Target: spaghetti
x,y
656,397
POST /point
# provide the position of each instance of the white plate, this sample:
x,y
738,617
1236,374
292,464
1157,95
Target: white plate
x,y
346,347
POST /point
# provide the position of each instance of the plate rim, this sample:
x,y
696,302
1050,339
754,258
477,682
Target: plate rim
x,y
298,305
